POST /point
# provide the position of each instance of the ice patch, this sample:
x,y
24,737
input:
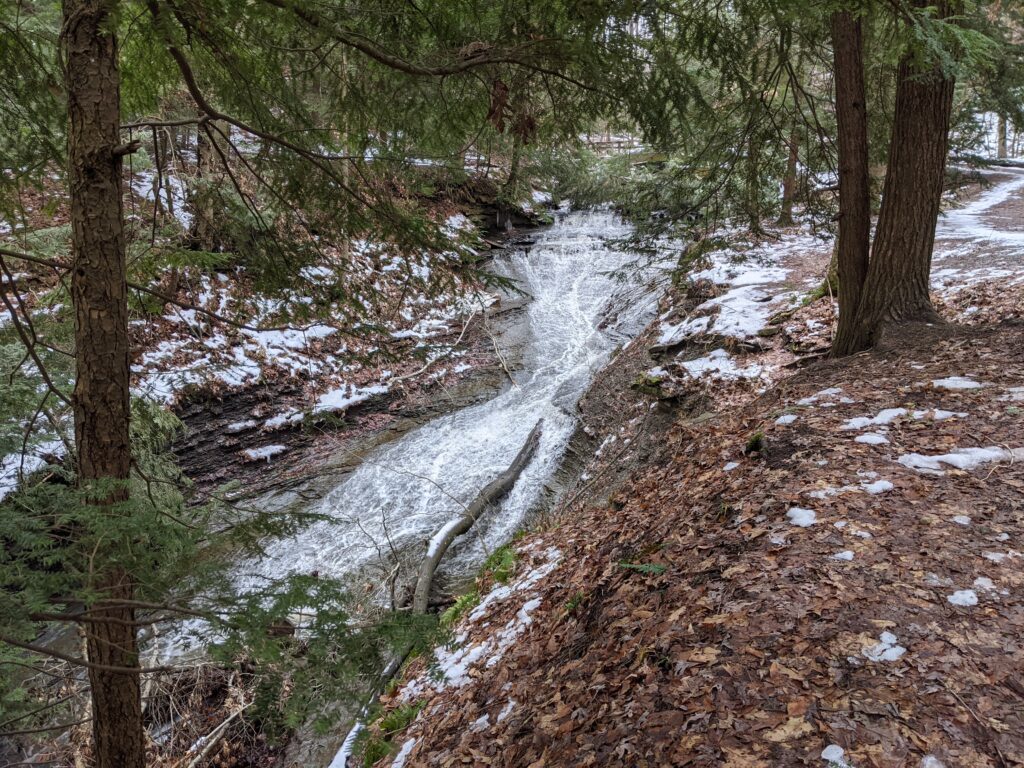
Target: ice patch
x,y
801,517
403,754
719,364
267,452
835,756
887,649
957,382
965,459
964,598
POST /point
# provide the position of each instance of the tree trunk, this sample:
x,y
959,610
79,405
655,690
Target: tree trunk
x,y
206,233
1001,136
896,289
789,180
101,398
854,240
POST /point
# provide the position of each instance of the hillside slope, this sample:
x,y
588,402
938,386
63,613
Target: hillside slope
x,y
823,569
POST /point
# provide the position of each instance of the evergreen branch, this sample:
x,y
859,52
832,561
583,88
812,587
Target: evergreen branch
x,y
192,85
79,662
30,343
374,51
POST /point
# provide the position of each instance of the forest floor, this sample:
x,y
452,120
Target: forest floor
x,y
817,563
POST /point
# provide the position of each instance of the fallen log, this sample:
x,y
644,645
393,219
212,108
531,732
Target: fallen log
x,y
443,539
436,549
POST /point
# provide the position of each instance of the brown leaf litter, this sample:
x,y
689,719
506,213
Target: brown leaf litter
x,y
691,623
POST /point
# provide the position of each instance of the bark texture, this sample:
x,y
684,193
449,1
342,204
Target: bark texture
x,y
789,181
101,396
897,285
853,245
1001,146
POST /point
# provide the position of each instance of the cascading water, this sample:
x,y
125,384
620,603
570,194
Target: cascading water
x,y
409,488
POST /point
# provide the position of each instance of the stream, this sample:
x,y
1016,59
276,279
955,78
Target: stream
x,y
577,313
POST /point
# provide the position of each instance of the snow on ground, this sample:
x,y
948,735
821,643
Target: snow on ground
x,y
265,453
276,338
452,666
718,364
887,649
753,280
15,466
964,459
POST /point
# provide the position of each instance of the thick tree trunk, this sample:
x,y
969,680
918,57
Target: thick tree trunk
x,y
789,180
852,248
101,398
1001,136
897,285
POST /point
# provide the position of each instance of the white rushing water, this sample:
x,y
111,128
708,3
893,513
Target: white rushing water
x,y
407,489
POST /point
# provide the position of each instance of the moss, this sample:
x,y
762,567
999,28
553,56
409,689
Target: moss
x,y
400,718
462,605
500,565
755,443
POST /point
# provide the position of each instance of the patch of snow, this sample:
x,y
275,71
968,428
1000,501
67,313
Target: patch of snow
x,y
965,459
341,758
719,364
730,466
657,373
552,557
930,761
887,649
886,416
846,554
871,438
962,520
788,418
964,598
983,582
287,418
267,452
241,426
403,754
506,710
1013,394
957,382
835,756
877,487
801,517
810,400
480,724
343,398
995,557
